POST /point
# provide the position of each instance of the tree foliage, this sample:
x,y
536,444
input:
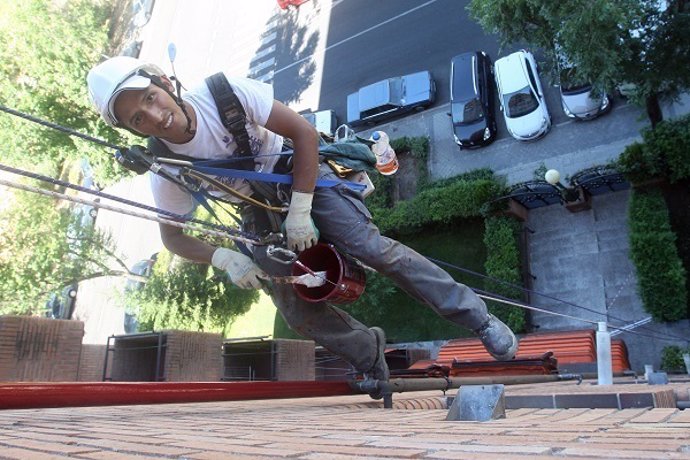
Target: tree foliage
x,y
607,41
187,296
45,245
48,48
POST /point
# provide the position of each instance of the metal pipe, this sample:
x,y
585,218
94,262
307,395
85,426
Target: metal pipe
x,y
75,394
425,384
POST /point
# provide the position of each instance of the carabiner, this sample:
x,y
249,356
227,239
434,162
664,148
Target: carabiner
x,y
281,255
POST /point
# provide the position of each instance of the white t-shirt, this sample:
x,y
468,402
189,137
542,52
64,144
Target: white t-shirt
x,y
212,140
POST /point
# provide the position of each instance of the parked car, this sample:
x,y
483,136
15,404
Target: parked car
x,y
324,121
132,49
521,96
60,305
577,97
285,4
142,10
143,267
578,102
471,100
391,97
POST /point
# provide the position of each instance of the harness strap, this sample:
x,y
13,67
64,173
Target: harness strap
x,y
232,115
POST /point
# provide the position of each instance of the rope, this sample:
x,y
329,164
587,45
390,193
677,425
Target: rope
x,y
523,289
64,129
178,217
161,220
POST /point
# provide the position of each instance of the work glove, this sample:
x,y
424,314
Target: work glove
x,y
243,272
299,227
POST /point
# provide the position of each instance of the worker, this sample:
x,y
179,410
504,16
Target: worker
x,y
138,96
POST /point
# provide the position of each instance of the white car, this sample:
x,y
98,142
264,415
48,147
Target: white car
x,y
521,96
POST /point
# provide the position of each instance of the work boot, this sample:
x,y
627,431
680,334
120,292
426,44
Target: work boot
x,y
497,338
379,370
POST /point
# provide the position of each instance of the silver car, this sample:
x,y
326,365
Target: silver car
x,y
579,103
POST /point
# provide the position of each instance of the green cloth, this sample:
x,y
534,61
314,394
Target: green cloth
x,y
354,154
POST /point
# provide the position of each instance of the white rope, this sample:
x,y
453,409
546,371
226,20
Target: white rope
x,y
541,310
140,215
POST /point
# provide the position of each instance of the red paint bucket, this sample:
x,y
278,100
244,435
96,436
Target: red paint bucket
x,y
345,278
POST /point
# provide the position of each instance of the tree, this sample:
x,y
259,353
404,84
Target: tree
x,y
188,296
47,50
607,41
44,246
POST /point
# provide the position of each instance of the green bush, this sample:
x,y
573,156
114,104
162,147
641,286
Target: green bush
x,y
672,359
460,199
503,263
660,273
665,153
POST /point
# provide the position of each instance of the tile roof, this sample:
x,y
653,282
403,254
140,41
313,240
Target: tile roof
x,y
345,427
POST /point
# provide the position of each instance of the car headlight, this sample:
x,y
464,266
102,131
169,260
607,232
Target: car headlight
x,y
487,133
567,112
457,141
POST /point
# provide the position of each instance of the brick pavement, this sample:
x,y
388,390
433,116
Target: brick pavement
x,y
339,428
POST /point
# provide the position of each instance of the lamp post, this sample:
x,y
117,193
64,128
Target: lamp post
x,y
568,194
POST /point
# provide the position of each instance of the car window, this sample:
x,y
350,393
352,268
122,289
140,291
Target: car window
x,y
531,75
467,112
520,103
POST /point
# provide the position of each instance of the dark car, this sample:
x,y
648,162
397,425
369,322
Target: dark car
x,y
60,305
391,97
471,100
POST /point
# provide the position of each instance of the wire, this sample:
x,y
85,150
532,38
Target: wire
x,y
179,217
621,328
64,129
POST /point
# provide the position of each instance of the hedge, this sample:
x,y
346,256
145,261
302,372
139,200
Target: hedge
x,y
664,153
660,272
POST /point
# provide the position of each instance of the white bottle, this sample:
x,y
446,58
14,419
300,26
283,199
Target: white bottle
x,y
386,160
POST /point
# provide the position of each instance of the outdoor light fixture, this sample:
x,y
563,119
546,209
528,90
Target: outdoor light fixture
x,y
569,194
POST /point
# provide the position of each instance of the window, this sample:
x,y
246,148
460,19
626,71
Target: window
x,y
520,103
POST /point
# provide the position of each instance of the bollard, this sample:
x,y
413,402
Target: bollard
x,y
604,364
686,360
648,370
478,403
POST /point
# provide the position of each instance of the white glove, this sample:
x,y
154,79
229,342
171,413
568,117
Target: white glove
x,y
243,272
299,227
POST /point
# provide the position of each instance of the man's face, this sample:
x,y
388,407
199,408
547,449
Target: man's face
x,y
152,112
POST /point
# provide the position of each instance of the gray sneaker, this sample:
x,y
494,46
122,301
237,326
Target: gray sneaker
x,y
498,339
379,370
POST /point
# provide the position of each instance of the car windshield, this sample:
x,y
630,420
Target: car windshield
x,y
467,112
520,103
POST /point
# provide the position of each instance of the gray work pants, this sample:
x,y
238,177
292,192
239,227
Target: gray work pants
x,y
343,220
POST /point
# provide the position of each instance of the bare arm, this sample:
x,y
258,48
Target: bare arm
x,y
185,246
288,123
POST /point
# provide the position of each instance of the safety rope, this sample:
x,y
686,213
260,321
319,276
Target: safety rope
x,y
99,205
171,215
55,126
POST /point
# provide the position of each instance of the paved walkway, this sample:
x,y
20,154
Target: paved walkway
x,y
339,428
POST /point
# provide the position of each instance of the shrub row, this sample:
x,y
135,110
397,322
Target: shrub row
x,y
660,272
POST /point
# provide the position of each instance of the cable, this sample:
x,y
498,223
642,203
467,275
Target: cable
x,y
64,129
172,215
521,288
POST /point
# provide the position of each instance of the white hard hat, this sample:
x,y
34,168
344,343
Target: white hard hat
x,y
109,78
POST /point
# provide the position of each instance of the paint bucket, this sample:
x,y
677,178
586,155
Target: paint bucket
x,y
345,278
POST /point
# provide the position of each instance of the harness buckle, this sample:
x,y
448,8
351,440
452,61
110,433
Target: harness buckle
x,y
281,255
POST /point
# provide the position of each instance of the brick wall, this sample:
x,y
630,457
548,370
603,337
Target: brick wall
x,y
193,356
91,363
294,360
39,349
